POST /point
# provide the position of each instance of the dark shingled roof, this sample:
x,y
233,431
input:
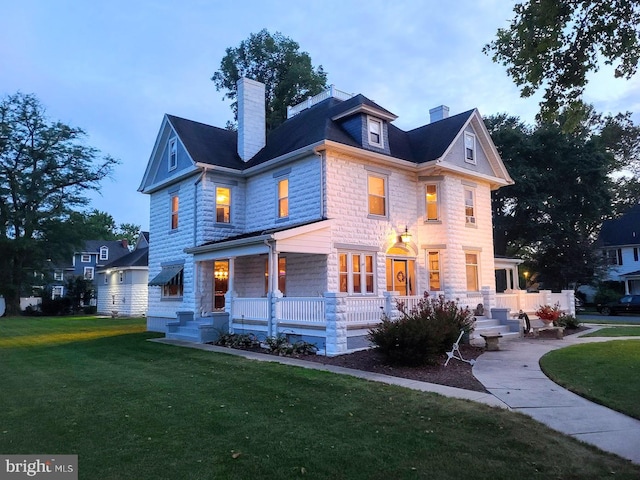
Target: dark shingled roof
x,y
216,146
137,258
621,231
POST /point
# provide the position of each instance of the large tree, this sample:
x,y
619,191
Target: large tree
x,y
45,171
555,44
276,61
564,188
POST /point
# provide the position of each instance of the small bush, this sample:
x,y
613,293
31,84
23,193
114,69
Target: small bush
x,y
423,332
280,345
238,340
567,321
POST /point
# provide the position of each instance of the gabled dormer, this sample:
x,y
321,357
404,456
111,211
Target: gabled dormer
x,y
367,123
104,253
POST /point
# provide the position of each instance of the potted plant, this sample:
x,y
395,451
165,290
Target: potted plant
x,y
548,314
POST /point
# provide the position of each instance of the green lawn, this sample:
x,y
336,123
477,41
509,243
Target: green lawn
x,y
133,409
615,332
605,372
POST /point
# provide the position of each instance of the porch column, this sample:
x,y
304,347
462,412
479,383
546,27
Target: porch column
x,y
228,307
336,329
391,305
232,274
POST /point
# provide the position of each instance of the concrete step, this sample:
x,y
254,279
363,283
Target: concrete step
x,y
487,322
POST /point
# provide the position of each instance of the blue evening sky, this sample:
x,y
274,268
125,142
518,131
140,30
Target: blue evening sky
x,y
114,68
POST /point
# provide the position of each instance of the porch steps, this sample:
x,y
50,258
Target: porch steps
x,y
191,331
485,325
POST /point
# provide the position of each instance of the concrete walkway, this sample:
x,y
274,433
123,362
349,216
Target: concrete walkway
x,y
515,381
513,375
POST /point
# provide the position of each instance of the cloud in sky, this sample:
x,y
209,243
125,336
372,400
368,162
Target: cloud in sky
x,y
115,68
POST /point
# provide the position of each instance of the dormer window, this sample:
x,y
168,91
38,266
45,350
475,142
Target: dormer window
x,y
469,148
104,253
375,132
173,154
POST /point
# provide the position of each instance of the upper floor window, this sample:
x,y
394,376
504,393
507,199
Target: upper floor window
x,y
175,204
283,198
223,205
431,200
85,258
614,256
469,147
356,274
377,188
375,132
104,253
173,154
58,275
635,254
88,273
471,261
433,264
469,206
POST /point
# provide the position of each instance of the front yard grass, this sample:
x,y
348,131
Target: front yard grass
x,y
615,332
133,409
605,372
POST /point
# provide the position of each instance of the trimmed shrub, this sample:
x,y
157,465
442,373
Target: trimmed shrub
x,y
423,332
567,321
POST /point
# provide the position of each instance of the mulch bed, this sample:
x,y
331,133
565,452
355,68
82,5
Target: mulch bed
x,y
455,374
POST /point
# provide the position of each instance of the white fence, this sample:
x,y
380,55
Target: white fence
x,y
530,302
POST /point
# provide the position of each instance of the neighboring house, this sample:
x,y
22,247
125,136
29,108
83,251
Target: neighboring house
x,y
620,243
94,254
314,229
122,283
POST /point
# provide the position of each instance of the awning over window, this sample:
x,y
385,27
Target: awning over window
x,y
167,274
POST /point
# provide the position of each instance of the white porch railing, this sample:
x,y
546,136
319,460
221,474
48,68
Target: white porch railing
x,y
364,310
251,309
302,311
311,101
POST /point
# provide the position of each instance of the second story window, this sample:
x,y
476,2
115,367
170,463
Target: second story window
x,y
283,198
431,200
469,206
173,154
469,148
375,132
85,258
58,276
377,190
104,253
175,204
223,205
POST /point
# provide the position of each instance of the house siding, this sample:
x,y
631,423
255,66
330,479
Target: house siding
x,y
128,298
456,155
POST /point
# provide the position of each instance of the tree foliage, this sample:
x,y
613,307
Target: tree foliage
x,y
276,61
45,171
555,43
564,189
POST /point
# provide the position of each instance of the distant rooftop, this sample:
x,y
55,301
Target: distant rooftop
x,y
330,92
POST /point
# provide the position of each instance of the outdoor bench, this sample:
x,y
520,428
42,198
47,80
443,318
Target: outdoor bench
x,y
491,341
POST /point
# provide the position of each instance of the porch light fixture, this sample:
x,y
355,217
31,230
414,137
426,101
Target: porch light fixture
x,y
406,236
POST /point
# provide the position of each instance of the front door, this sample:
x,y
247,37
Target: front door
x,y
220,282
401,276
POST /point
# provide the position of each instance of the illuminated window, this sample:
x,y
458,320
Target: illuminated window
x,y
433,259
356,273
377,195
431,199
283,198
471,261
175,203
223,205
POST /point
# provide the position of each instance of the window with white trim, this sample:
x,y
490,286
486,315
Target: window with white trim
x,y
175,206
88,273
104,253
173,154
374,127
431,202
433,265
470,206
85,258
283,198
57,291
223,205
356,273
58,275
471,264
377,191
469,148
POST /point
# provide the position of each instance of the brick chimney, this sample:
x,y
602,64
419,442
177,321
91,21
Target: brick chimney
x,y
251,118
438,113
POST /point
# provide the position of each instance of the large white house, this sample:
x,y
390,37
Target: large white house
x,y
315,229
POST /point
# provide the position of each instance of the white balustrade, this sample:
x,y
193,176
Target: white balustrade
x,y
302,310
251,308
364,309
